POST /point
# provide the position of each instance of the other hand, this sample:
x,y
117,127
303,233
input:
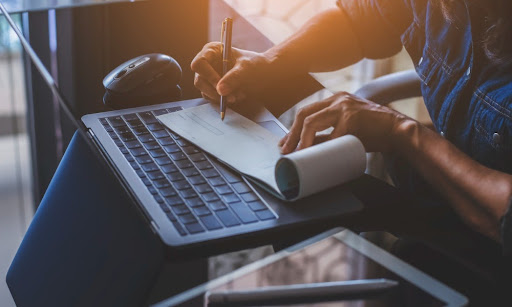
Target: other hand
x,y
372,123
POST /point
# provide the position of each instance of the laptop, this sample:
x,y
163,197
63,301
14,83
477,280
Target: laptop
x,y
188,198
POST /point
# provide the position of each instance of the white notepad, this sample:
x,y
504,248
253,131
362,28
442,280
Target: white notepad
x,y
252,150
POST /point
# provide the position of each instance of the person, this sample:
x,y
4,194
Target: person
x,y
462,51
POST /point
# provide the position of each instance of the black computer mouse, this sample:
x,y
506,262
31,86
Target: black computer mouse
x,y
145,80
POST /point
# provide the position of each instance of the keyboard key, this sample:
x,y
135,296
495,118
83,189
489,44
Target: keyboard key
x,y
157,153
146,138
198,157
166,141
180,209
171,216
169,168
155,127
175,136
160,112
129,158
169,191
144,159
189,150
180,229
184,164
187,218
172,148
243,212
223,189
158,199
182,185
265,215
155,175
116,121
230,176
160,134
195,180
135,123
131,116
137,152
173,200
188,193
103,121
140,130
148,117
194,228
204,188
174,109
127,137
141,173
210,222
182,142
146,181
152,190
162,183
216,205
210,196
175,176
257,205
191,171
230,198
202,210
135,165
178,156
122,129
163,160
241,187
109,129
204,165
216,181
227,218
124,150
165,208
133,144
210,173
118,142
149,167
194,202
113,134
151,145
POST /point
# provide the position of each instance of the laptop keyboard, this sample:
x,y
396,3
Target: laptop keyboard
x,y
196,195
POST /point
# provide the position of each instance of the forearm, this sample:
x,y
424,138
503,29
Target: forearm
x,y
480,195
325,43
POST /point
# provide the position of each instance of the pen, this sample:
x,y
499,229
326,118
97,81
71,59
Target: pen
x,y
225,38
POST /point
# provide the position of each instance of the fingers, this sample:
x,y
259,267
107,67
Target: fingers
x,y
231,81
315,123
203,63
293,137
206,88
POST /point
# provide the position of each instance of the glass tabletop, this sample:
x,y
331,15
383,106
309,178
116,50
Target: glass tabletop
x,y
17,6
336,255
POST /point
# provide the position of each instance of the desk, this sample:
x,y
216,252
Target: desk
x,y
335,255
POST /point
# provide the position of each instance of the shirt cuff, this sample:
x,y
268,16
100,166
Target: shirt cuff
x,y
506,231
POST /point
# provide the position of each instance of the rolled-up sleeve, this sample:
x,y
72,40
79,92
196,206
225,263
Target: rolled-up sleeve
x,y
506,231
378,24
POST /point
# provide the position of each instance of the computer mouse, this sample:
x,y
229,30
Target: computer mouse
x,y
144,80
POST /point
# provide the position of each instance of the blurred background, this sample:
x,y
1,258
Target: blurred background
x,y
25,168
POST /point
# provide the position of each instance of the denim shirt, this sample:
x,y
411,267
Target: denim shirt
x,y
468,98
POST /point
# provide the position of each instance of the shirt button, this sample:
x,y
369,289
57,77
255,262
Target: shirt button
x,y
442,133
496,138
421,60
468,72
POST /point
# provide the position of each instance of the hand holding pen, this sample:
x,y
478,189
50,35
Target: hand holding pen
x,y
225,38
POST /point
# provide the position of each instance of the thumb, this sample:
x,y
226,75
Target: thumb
x,y
231,81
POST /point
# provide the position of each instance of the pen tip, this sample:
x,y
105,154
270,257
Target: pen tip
x,y
222,114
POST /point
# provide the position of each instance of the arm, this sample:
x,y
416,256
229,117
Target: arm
x,y
479,195
279,77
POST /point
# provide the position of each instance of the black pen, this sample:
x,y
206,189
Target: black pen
x,y
225,38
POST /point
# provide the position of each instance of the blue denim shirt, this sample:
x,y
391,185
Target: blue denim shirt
x,y
469,99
